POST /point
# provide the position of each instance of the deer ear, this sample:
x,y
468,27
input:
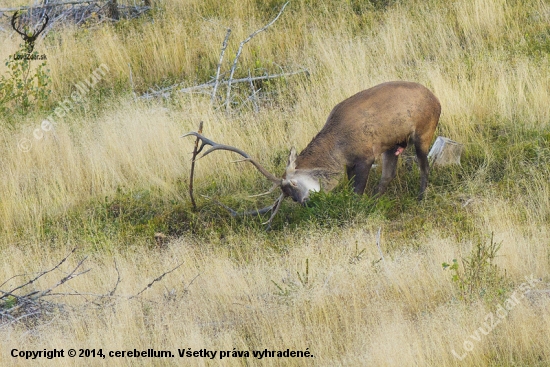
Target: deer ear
x,y
291,165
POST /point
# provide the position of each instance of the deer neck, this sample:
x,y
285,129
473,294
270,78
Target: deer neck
x,y
321,165
321,154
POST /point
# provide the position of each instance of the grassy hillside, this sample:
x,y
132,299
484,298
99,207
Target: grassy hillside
x,y
113,172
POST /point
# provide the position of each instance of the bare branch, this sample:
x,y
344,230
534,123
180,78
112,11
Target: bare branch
x,y
186,289
25,316
13,277
216,82
38,304
159,278
166,92
253,79
112,293
253,95
63,280
44,272
75,2
8,294
32,304
239,51
78,294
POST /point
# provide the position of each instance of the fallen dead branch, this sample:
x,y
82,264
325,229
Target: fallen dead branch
x,y
76,12
240,50
18,305
166,92
21,305
43,273
217,81
52,4
157,279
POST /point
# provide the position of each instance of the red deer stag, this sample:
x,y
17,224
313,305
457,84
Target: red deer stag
x,y
377,121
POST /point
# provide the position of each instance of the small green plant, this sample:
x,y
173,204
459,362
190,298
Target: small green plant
x,y
358,255
453,267
8,303
25,87
304,277
292,286
284,291
479,276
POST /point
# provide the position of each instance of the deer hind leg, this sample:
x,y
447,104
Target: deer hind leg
x,y
359,174
389,168
350,173
421,147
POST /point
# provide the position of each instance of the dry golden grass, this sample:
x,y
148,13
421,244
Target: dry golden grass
x,y
480,57
398,312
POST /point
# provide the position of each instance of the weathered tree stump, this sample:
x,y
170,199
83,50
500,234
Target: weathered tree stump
x,y
445,152
112,10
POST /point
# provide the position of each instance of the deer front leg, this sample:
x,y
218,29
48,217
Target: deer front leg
x,y
359,174
389,168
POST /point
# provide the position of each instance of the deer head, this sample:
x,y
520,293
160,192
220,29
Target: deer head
x,y
298,183
29,38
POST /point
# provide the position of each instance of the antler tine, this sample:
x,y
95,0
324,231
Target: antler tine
x,y
14,26
276,206
265,193
259,167
216,146
43,25
234,213
226,147
204,140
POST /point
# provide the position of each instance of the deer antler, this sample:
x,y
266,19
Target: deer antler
x,y
43,27
274,208
275,185
215,146
29,38
15,27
